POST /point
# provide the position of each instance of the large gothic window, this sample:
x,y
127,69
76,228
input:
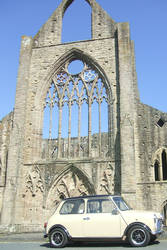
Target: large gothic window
x,y
76,113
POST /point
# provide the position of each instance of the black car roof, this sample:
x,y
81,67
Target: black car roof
x,y
91,196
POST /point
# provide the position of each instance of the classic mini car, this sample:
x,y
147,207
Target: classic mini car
x,y
100,218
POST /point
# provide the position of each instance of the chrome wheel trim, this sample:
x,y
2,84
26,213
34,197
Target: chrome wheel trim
x,y
138,236
57,238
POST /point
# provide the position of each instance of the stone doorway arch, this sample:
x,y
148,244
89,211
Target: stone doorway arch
x,y
71,182
164,211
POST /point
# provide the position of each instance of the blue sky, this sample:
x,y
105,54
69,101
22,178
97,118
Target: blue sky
x,y
148,23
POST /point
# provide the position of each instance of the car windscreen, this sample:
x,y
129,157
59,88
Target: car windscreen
x,y
121,204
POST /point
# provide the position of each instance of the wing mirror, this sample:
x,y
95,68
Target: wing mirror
x,y
115,211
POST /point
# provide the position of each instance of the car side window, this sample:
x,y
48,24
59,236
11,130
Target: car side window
x,y
100,206
73,207
107,206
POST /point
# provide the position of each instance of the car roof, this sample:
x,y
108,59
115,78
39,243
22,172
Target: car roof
x,y
91,196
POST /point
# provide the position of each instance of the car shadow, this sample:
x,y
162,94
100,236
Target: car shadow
x,y
156,242
97,244
90,244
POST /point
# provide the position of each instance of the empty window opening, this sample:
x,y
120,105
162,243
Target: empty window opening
x,y
165,214
156,171
74,119
84,119
77,22
76,113
65,122
164,165
46,127
104,115
160,165
95,118
75,67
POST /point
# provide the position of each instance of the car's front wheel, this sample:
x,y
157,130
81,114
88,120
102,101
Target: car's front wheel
x,y
138,236
58,238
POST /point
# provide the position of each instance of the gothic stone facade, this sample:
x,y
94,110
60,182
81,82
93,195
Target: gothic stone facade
x,y
129,159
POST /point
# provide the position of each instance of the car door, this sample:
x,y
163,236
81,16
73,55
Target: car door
x,y
71,217
102,219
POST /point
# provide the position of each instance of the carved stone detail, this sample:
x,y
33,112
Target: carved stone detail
x,y
107,180
34,182
69,185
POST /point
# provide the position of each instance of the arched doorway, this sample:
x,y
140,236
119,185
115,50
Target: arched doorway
x,y
165,213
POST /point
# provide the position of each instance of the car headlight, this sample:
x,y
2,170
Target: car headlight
x,y
155,219
158,222
162,218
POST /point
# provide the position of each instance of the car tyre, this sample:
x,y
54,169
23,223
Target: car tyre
x,y
138,236
58,238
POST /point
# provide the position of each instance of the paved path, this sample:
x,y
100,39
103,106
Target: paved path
x,y
22,237
45,246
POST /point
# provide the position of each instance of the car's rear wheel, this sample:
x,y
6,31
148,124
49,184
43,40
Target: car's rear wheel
x,y
58,238
138,236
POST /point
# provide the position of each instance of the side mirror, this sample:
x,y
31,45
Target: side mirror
x,y
115,211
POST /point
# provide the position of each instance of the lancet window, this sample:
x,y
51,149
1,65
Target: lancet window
x,y
76,113
160,165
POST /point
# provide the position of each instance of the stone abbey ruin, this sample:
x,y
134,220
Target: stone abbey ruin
x,y
117,147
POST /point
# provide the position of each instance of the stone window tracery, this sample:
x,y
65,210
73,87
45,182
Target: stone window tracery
x,y
160,165
76,105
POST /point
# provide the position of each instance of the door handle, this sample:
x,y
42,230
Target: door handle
x,y
86,218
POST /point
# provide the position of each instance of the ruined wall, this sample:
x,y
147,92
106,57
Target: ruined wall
x,y
5,130
38,176
32,188
151,193
32,209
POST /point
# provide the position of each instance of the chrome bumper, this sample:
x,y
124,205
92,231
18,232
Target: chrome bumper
x,y
45,236
159,227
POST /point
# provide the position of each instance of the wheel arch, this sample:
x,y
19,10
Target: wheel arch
x,y
59,226
136,224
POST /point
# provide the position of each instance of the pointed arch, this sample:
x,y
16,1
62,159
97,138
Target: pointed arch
x,y
71,182
75,27
81,173
157,171
69,56
164,164
67,3
164,211
93,80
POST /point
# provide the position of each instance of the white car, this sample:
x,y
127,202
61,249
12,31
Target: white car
x,y
101,218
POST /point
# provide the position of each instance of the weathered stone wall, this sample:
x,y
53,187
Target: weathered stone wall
x,y
151,194
5,130
50,34
35,180
40,58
